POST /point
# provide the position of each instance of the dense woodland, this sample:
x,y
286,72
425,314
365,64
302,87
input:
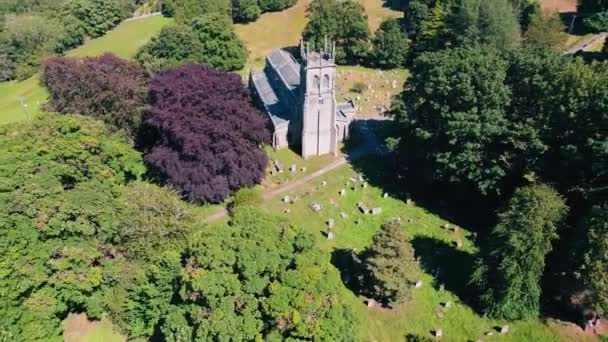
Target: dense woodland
x,y
98,199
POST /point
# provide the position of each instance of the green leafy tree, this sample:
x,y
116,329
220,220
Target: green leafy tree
x,y
490,23
187,10
453,115
389,264
207,40
60,179
342,22
508,275
245,10
593,272
155,220
257,274
434,29
546,31
390,45
97,16
275,5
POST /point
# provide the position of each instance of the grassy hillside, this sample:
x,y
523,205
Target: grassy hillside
x,y
124,41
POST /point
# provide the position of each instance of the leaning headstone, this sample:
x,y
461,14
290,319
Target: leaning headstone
x,y
363,208
504,329
331,223
376,211
273,172
343,215
418,284
286,199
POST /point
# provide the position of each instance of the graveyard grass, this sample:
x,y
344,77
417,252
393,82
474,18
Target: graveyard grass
x,y
123,41
435,244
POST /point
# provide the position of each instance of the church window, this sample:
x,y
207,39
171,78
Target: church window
x,y
316,83
326,82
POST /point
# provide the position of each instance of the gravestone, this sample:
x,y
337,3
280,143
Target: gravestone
x,y
358,221
303,169
286,199
323,183
441,287
315,207
363,208
371,303
287,211
273,172
409,201
364,185
418,284
410,220
394,85
361,179
385,195
331,223
353,180
343,192
504,329
438,333
293,168
330,235
459,244
376,211
354,188
447,305
343,215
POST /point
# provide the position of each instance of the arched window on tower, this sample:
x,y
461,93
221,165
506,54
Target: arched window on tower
x,y
326,82
316,83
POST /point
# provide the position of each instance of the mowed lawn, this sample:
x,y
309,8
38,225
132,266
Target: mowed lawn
x,y
123,41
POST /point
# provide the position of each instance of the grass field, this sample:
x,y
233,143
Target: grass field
x,y
123,41
433,243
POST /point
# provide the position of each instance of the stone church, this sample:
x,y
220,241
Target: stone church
x,y
300,100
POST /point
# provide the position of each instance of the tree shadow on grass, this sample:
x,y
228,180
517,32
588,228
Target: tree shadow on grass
x,y
450,266
350,268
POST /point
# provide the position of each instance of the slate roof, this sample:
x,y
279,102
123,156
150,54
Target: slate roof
x,y
278,114
287,67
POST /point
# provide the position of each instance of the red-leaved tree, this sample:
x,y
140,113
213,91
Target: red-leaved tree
x,y
202,133
105,87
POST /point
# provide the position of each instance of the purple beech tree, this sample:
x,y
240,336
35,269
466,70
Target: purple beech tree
x,y
104,87
202,134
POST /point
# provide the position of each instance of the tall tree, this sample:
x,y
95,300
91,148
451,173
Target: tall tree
x,y
482,22
245,10
390,45
204,135
389,264
508,275
105,87
593,272
186,10
453,115
342,22
546,31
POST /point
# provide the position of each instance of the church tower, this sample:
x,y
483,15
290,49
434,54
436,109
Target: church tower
x,y
318,98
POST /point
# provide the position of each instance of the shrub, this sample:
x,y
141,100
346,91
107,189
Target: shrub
x,y
246,197
390,45
105,87
359,87
202,133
